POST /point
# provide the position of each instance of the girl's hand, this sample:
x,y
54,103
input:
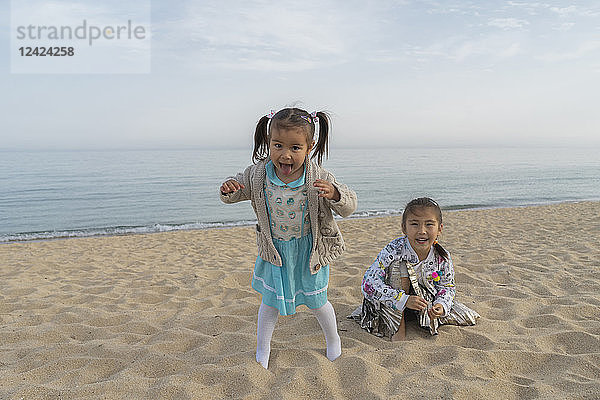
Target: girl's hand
x,y
436,311
416,303
327,190
231,186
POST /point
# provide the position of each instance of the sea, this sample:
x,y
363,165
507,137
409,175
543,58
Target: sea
x,y
61,194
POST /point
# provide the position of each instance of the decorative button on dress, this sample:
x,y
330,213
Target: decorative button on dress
x,y
292,284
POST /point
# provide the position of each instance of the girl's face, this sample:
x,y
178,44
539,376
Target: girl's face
x,y
288,148
422,229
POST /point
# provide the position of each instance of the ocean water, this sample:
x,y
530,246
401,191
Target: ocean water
x,y
45,195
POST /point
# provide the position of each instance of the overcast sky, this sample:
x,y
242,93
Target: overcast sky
x,y
392,73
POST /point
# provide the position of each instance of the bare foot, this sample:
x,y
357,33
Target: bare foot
x,y
400,335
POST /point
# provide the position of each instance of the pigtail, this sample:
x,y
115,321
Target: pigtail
x,y
440,250
322,146
261,141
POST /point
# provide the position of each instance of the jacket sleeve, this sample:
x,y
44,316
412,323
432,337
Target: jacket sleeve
x,y
242,194
375,289
445,286
348,201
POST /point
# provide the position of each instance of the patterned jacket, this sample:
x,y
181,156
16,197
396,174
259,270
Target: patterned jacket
x,y
328,243
434,274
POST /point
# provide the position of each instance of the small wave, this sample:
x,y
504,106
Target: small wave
x,y
375,213
120,230
391,212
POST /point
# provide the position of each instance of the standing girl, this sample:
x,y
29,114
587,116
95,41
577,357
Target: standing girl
x,y
297,236
412,272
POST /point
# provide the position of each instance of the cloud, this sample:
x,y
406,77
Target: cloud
x,y
459,8
262,35
542,8
532,8
570,11
69,12
512,50
508,23
565,26
583,50
487,50
563,11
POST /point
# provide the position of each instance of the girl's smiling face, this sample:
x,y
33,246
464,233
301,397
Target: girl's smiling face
x,y
422,228
288,149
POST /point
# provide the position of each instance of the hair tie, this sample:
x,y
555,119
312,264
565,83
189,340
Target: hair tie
x,y
312,117
271,114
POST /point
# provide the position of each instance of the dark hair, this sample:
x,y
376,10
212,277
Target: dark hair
x,y
289,118
425,202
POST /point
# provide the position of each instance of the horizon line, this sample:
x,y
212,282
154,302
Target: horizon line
x,y
342,147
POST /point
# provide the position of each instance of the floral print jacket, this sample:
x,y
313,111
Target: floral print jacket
x,y
434,274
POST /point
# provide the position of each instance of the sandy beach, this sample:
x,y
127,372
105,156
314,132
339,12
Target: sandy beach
x,y
172,315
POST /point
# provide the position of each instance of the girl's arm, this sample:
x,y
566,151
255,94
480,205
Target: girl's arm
x,y
244,193
445,286
347,203
375,289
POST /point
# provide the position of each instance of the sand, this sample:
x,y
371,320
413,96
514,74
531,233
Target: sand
x,y
172,315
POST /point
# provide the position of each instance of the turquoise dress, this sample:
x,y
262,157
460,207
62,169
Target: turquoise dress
x,y
292,284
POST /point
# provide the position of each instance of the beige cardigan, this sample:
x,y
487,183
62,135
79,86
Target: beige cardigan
x,y
328,243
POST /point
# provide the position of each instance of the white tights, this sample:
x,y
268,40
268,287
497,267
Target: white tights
x,y
326,317
267,318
